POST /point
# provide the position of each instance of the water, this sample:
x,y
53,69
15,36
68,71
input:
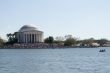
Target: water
x,y
77,60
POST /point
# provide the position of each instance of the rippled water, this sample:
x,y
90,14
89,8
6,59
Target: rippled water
x,y
77,60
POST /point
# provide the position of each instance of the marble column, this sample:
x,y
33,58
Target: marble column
x,y
38,37
18,37
34,38
31,38
26,39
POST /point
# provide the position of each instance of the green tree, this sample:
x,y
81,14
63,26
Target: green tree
x,y
12,38
88,41
59,40
68,36
49,40
102,42
1,42
70,42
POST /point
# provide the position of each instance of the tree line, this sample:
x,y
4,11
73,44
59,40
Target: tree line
x,y
67,40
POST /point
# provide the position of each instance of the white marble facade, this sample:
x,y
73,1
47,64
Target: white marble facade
x,y
29,34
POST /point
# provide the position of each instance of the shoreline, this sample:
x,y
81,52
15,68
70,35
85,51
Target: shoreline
x,y
44,46
53,48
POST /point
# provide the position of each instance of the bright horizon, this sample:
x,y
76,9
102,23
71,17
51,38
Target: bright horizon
x,y
80,18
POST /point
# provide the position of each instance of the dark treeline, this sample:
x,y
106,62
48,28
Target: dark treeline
x,y
69,40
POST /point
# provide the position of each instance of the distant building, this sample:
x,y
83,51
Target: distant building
x,y
107,44
95,44
29,34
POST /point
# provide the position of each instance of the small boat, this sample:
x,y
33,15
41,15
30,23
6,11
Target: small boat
x,y
102,50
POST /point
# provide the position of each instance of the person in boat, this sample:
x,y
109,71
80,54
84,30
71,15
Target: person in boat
x,y
102,50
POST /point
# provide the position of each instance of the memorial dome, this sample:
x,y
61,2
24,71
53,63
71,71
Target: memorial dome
x,y
27,28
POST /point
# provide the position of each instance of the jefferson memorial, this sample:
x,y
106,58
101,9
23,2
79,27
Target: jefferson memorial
x,y
29,34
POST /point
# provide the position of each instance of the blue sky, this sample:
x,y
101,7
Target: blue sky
x,y
81,18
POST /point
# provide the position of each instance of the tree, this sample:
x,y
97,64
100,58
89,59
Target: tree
x,y
102,42
49,40
59,40
70,40
12,38
1,42
68,36
88,41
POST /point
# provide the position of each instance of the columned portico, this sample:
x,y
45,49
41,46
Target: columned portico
x,y
29,34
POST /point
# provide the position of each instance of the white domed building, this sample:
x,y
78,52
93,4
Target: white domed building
x,y
29,34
